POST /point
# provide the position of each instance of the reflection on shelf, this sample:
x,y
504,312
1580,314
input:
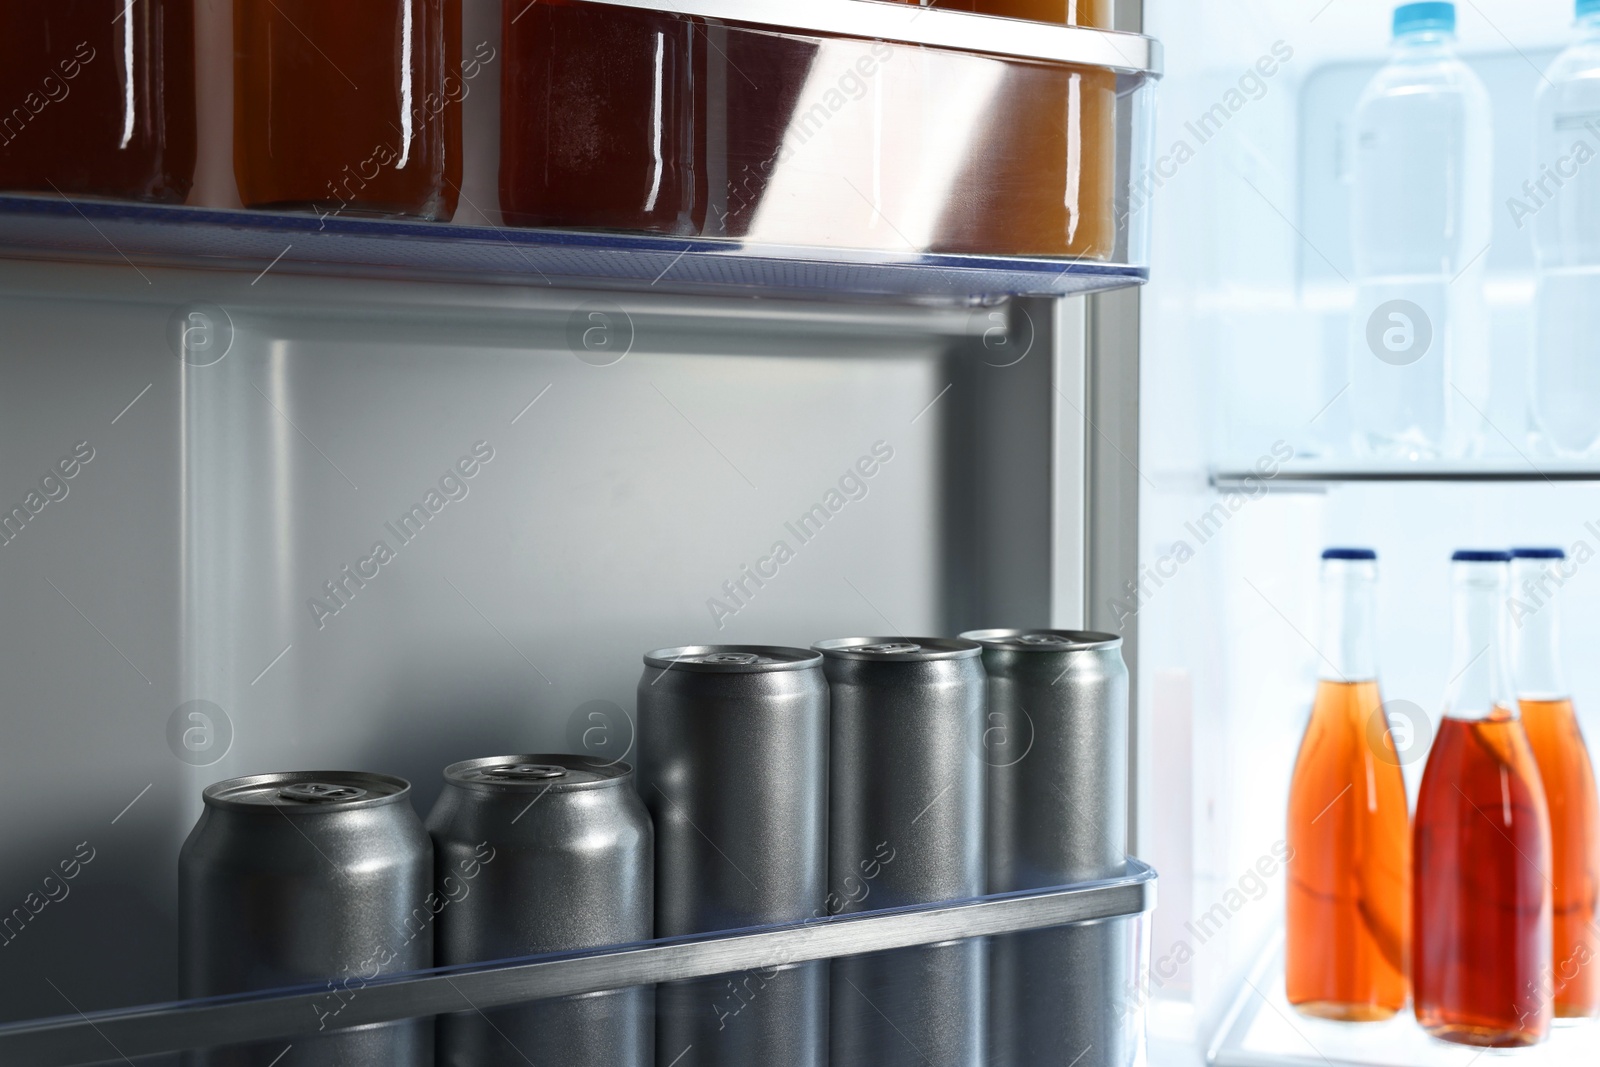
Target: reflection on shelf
x,y
1263,1031
120,233
1317,475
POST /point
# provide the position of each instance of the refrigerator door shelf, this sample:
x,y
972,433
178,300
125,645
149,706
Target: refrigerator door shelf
x,y
114,232
300,1012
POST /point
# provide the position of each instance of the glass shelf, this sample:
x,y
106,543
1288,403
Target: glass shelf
x,y
1121,903
1263,1031
1314,476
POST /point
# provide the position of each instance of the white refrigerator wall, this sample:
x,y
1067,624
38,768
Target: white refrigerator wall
x,y
1244,359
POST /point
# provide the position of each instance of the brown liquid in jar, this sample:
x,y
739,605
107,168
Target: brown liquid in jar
x,y
1095,13
351,107
602,118
1043,183
101,98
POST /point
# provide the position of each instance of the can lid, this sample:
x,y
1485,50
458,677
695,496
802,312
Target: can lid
x,y
899,649
732,659
541,773
306,791
1044,640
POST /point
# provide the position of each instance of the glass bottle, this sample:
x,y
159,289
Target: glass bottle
x,y
1481,881
348,108
1348,908
1568,776
101,98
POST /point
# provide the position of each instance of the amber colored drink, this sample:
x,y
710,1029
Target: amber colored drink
x,y
1569,787
1043,182
1095,13
1482,896
602,118
351,107
1349,882
100,98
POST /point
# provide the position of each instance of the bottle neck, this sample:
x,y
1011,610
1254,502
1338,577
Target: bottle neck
x,y
1536,628
1423,45
1480,683
1349,644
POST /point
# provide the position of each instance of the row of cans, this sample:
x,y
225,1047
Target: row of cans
x,y
775,785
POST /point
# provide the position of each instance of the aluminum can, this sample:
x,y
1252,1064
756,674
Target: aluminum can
x,y
537,854
1057,748
305,877
733,756
906,827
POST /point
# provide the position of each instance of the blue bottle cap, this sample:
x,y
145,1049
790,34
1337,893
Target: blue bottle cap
x,y
1542,553
1588,7
1349,553
1480,555
1434,15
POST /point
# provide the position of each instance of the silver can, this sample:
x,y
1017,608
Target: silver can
x,y
306,877
906,827
536,854
733,756
1057,748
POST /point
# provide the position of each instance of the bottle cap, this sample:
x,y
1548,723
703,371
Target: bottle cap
x,y
1432,16
1543,553
1588,7
1349,553
1480,555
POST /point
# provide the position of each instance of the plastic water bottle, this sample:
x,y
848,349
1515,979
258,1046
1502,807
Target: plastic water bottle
x,y
1563,198
1419,354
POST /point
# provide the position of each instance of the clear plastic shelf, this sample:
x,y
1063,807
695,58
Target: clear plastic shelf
x,y
1115,910
104,231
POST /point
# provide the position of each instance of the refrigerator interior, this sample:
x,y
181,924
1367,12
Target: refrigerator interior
x,y
1244,371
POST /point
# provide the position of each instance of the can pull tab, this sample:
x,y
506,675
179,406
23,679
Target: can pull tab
x,y
321,792
738,658
1044,640
890,648
524,772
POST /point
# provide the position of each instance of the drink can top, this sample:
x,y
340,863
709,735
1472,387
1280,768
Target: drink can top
x,y
306,791
899,649
1044,640
535,773
731,659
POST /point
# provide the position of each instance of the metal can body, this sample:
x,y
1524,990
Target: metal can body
x,y
1057,748
536,854
906,827
733,753
305,877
